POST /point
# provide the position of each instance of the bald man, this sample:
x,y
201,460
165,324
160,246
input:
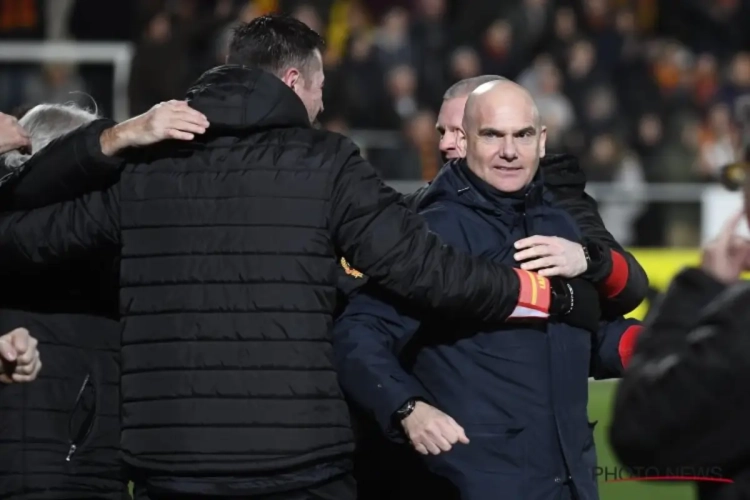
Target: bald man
x,y
621,280
503,408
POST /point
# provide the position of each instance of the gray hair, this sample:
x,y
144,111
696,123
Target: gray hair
x,y
45,123
469,85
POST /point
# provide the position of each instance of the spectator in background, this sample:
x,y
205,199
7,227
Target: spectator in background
x,y
425,152
719,141
464,63
738,83
59,83
565,31
681,164
402,100
500,55
608,161
555,109
393,45
705,80
431,35
364,97
160,52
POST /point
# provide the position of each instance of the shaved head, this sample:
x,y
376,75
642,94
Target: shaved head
x,y
502,137
496,92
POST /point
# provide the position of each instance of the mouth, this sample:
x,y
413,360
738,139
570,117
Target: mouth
x,y
508,169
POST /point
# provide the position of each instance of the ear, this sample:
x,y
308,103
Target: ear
x,y
542,142
292,78
461,142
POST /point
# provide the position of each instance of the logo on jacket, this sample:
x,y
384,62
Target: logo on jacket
x,y
350,270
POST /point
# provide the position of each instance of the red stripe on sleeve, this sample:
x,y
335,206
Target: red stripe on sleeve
x,y
627,343
618,278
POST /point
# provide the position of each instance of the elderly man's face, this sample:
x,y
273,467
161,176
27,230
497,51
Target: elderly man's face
x,y
449,125
504,140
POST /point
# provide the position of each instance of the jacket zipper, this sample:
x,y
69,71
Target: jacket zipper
x,y
73,439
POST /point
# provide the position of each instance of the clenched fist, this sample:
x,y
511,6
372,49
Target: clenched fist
x,y
19,357
12,135
551,256
432,431
167,120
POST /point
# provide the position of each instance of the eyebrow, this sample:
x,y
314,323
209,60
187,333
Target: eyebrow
x,y
490,130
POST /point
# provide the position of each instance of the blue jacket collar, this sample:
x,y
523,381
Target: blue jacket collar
x,y
455,182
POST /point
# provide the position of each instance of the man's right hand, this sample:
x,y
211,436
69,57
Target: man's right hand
x,y
432,431
12,135
19,357
167,120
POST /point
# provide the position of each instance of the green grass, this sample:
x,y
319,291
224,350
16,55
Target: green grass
x,y
600,404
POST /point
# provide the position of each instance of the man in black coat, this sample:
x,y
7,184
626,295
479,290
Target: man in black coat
x,y
61,435
227,278
682,407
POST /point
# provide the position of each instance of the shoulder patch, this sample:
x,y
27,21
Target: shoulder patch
x,y
350,270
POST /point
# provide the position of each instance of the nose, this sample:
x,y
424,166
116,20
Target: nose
x,y
508,152
448,144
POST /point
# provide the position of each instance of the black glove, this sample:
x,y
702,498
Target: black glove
x,y
575,302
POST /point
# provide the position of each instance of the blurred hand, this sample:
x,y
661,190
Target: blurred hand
x,y
551,256
19,357
12,135
167,120
432,431
727,256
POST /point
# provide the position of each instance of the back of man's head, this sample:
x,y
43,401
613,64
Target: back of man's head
x,y
274,44
45,123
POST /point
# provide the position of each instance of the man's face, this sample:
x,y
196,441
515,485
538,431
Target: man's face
x,y
309,87
505,142
449,125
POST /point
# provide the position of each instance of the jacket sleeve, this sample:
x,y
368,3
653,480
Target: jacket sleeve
x,y
380,236
46,236
683,400
618,275
613,347
371,333
366,340
68,167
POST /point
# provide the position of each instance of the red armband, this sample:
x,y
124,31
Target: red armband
x,y
627,343
618,277
534,297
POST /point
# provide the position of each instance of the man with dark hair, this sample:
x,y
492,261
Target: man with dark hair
x,y
228,248
288,49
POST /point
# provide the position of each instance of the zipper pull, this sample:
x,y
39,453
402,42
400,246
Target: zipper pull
x,y
70,452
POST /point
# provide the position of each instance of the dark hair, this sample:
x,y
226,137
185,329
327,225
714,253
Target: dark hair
x,y
274,44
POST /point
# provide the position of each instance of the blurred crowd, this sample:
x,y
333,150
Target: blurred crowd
x,y
642,91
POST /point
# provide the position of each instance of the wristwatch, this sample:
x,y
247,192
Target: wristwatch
x,y
406,409
592,252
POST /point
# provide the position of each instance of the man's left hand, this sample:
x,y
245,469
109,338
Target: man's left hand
x,y
551,256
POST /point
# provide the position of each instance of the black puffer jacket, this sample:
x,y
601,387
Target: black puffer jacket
x,y
682,408
59,436
228,281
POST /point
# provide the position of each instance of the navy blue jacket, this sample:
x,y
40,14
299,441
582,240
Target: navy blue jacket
x,y
519,390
